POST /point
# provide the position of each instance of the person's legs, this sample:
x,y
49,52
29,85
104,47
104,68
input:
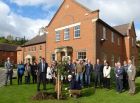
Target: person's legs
x,y
117,85
105,83
10,77
44,81
6,79
25,79
28,79
38,83
101,79
21,78
77,77
108,83
133,87
96,80
129,82
81,79
120,85
35,78
86,79
18,78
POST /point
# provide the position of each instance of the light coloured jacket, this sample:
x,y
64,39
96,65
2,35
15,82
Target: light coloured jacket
x,y
49,73
8,67
106,72
131,72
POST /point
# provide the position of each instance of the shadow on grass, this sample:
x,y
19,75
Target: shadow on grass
x,y
137,88
87,92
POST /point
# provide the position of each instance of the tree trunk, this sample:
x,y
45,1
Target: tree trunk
x,y
58,84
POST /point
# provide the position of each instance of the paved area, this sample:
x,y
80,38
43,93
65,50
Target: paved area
x,y
2,77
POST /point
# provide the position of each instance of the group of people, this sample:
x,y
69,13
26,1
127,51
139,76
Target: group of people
x,y
78,74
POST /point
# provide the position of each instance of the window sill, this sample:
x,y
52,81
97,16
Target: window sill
x,y
66,39
57,41
76,37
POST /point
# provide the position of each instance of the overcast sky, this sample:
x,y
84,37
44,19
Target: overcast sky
x,y
25,17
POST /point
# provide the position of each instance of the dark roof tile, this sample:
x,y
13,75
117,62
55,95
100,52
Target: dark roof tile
x,y
122,28
7,47
36,40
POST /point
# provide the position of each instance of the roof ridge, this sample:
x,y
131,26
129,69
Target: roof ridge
x,y
80,4
83,6
121,24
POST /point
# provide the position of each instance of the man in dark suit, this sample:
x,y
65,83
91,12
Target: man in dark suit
x,y
70,68
88,70
42,70
98,71
119,77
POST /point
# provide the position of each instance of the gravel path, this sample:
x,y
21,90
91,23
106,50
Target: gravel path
x,y
2,77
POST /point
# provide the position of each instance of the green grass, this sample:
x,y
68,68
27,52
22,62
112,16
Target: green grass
x,y
23,94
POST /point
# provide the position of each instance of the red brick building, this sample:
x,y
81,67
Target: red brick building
x,y
7,50
33,49
78,32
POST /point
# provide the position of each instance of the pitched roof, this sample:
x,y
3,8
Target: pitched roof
x,y
100,20
80,4
83,6
122,28
36,40
7,47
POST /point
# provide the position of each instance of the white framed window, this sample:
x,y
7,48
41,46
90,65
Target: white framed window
x,y
104,32
112,37
81,55
77,31
57,36
118,41
66,34
53,57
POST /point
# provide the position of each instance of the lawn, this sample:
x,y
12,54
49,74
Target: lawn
x,y
23,94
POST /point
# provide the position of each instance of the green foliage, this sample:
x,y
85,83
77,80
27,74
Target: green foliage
x,y
61,67
33,58
14,42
